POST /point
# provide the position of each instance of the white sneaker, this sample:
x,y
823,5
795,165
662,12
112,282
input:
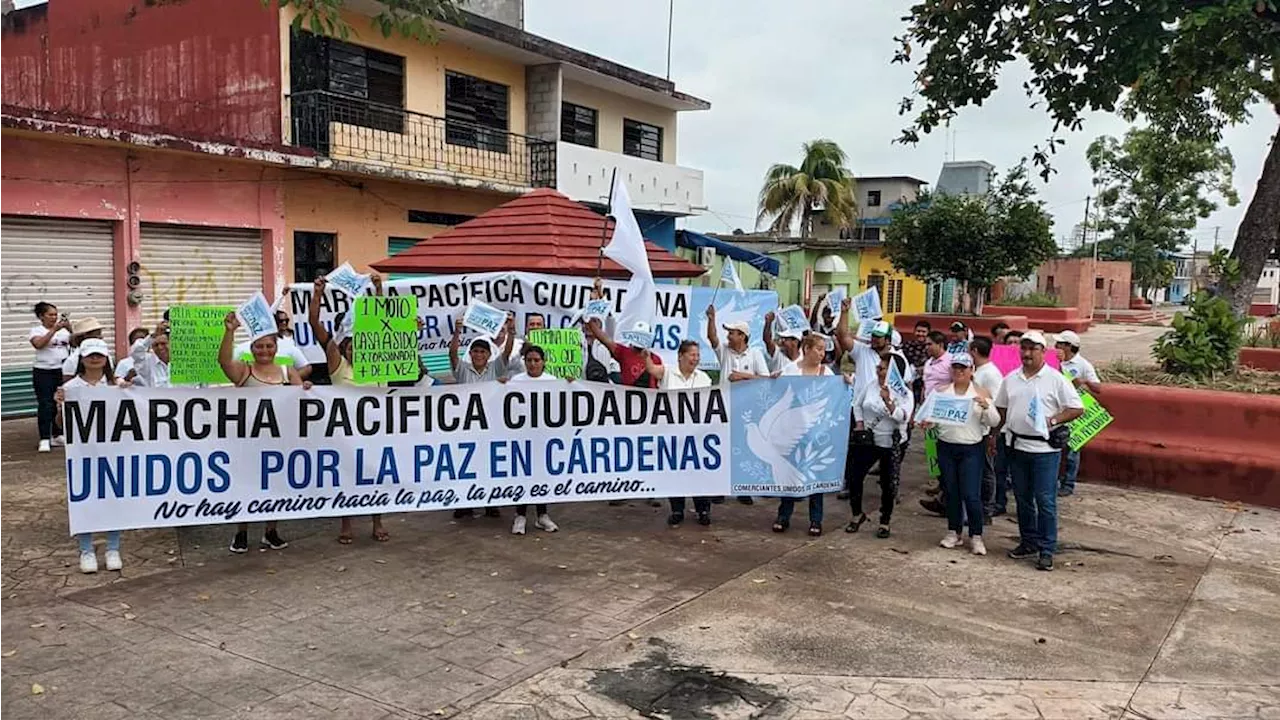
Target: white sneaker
x,y
88,562
544,522
977,546
43,446
113,560
58,441
951,540
517,527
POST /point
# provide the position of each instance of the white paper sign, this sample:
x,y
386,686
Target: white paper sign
x,y
256,317
636,339
345,278
834,300
484,318
865,327
866,305
597,309
897,384
949,410
792,318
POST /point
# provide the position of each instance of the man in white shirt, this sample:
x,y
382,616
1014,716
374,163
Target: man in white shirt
x,y
866,354
785,350
988,377
1032,402
516,363
150,356
287,351
684,376
738,361
1082,374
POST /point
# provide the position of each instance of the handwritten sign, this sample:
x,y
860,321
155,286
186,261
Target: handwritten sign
x,y
562,349
345,278
256,317
866,305
384,339
195,334
484,318
636,338
835,299
1087,426
948,410
793,319
896,383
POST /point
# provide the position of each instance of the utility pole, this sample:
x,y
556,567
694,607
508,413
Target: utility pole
x,y
671,12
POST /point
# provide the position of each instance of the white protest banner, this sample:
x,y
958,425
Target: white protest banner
x,y
949,410
792,318
896,383
256,317
866,305
345,278
557,299
484,318
160,457
835,299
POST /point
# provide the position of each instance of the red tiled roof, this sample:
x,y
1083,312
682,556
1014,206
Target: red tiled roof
x,y
542,231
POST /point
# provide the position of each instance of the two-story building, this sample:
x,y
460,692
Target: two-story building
x,y
195,152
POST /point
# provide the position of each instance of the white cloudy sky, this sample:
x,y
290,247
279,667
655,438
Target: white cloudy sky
x,y
780,73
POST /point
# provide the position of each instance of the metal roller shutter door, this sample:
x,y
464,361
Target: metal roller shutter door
x,y
65,262
184,265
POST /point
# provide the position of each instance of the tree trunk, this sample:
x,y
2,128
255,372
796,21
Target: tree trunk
x,y
805,220
1258,234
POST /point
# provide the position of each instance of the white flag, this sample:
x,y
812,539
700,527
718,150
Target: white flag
x,y
627,249
729,274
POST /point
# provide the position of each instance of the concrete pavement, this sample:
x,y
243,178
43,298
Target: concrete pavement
x,y
1161,607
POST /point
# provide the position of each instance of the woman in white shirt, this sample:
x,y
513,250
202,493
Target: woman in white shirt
x,y
813,350
51,338
684,376
94,370
535,365
961,448
886,416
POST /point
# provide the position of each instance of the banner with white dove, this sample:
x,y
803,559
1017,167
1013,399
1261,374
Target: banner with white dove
x,y
749,307
789,436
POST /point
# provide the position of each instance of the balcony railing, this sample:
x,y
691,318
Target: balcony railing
x,y
346,128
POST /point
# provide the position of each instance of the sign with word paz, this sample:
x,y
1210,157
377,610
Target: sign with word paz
x,y
384,340
562,349
195,334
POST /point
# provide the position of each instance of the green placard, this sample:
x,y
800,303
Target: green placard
x,y
931,452
195,334
384,339
563,349
1088,425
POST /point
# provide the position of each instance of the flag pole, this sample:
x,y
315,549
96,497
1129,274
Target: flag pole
x,y
604,229
719,281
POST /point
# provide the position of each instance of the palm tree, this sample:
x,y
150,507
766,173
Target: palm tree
x,y
821,187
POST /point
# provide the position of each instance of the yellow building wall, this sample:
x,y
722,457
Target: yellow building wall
x,y
424,67
913,290
365,216
612,108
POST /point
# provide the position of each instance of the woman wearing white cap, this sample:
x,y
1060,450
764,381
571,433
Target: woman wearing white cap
x,y
262,371
93,369
51,339
961,447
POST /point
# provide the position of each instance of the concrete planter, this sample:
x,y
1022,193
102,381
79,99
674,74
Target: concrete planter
x,y
1260,358
1197,442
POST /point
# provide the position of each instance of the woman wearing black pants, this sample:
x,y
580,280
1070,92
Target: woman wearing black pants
x,y
51,340
886,416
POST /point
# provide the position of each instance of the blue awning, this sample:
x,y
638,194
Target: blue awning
x,y
763,263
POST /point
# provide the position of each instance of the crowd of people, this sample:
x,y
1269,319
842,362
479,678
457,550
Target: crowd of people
x,y
1010,438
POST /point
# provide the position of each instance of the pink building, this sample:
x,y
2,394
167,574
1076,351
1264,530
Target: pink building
x,y
1089,285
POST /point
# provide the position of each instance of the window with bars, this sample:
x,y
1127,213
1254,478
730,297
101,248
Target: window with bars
x,y
476,112
313,254
370,82
578,124
641,140
893,297
873,198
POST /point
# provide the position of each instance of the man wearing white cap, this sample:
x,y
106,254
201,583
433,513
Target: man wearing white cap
x,y
866,354
1033,402
785,350
738,361
1082,375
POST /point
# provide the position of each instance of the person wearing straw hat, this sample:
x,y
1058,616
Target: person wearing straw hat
x,y
87,328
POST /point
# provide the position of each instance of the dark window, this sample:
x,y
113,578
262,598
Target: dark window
x,y
368,83
475,112
437,218
876,281
873,198
577,124
641,140
1097,283
312,254
1048,285
871,234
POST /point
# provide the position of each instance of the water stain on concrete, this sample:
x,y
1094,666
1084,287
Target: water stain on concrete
x,y
659,687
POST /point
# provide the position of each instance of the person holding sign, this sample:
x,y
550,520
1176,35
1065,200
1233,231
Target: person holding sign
x,y
785,350
812,352
287,351
51,339
150,358
480,366
962,413
261,372
879,429
1033,401
1082,375
534,361
685,376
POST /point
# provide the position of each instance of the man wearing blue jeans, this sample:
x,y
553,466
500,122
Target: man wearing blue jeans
x,y
1082,375
1033,401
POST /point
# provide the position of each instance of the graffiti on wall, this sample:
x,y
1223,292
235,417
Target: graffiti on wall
x,y
201,280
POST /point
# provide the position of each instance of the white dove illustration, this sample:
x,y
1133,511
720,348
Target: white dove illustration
x,y
780,429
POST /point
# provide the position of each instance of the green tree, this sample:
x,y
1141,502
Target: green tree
x,y
1153,188
822,187
976,239
1192,67
415,19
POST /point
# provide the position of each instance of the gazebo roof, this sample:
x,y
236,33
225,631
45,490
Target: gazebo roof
x,y
541,231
